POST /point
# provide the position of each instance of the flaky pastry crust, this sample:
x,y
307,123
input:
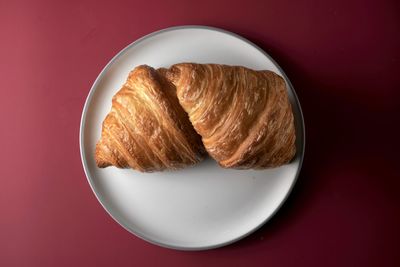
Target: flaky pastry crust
x,y
243,116
147,129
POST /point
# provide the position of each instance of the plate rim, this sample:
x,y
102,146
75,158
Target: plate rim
x,y
82,130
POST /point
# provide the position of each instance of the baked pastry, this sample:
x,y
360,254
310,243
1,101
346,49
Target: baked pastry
x,y
243,116
147,129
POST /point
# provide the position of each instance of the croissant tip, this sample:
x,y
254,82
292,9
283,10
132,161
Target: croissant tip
x,y
162,71
102,163
99,155
140,69
173,73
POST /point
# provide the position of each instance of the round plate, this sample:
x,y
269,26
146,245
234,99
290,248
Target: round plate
x,y
200,207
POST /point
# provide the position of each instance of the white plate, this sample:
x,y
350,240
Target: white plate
x,y
196,208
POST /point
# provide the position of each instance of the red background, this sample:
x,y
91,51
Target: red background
x,y
343,59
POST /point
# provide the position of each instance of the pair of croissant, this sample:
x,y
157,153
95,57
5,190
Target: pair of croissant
x,y
169,118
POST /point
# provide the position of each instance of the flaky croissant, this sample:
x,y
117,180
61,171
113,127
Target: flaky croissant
x,y
244,116
147,129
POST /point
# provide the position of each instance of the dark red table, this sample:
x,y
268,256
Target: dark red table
x,y
343,58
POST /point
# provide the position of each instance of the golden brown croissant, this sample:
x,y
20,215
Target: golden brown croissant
x,y
146,128
244,116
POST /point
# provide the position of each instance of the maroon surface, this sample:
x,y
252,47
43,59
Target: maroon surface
x,y
343,59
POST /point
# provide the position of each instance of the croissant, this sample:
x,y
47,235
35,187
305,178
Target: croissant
x,y
243,116
147,129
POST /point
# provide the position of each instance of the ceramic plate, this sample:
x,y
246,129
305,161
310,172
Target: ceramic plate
x,y
204,206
